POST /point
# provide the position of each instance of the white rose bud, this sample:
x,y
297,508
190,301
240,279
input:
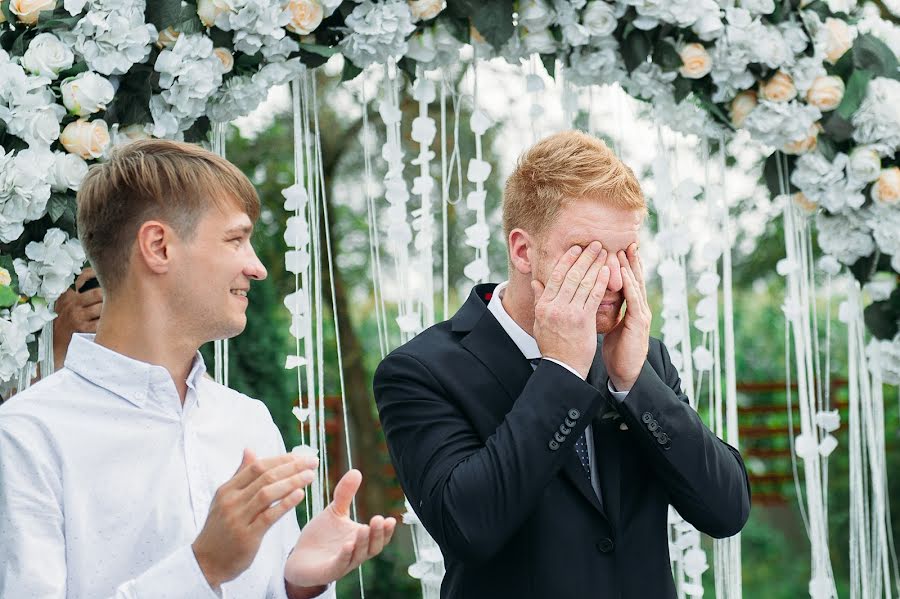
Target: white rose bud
x,y
47,56
69,171
695,60
864,164
835,37
805,144
167,37
5,278
86,93
424,10
599,18
226,57
28,11
826,93
208,10
536,15
541,42
305,16
43,124
887,189
86,139
742,105
780,88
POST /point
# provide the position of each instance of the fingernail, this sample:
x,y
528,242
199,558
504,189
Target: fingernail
x,y
576,250
604,269
595,246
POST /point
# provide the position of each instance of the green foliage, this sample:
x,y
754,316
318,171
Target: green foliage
x,y
493,20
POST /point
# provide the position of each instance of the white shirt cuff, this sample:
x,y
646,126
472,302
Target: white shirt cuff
x,y
564,365
177,576
617,395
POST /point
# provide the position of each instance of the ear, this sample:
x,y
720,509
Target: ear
x,y
522,251
154,246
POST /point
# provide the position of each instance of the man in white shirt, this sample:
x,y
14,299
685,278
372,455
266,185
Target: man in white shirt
x,y
128,473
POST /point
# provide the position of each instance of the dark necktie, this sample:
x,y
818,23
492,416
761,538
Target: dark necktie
x,y
580,443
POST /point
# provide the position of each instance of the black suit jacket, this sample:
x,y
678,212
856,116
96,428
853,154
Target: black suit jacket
x,y
477,439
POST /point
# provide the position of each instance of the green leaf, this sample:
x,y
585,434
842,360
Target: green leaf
x,y
163,13
8,297
837,127
48,21
4,8
873,55
199,131
549,61
325,51
770,175
350,71
56,206
854,93
20,44
666,56
843,68
493,20
826,147
635,49
682,88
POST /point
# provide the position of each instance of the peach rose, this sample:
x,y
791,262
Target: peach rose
x,y
826,93
305,16
167,37
696,62
208,10
804,203
226,57
836,37
742,105
887,189
5,278
802,146
28,11
87,139
779,88
423,10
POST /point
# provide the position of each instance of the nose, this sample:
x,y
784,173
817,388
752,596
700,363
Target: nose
x,y
255,269
615,273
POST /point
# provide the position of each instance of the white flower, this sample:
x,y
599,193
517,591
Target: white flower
x,y
884,354
709,26
24,189
5,278
377,32
599,61
306,15
541,41
826,93
88,139
226,58
779,123
28,11
259,25
599,18
575,34
535,15
424,10
887,190
17,326
86,93
845,237
883,29
69,171
209,10
695,61
742,105
760,7
865,164
805,144
877,120
47,56
240,95
805,71
52,265
112,39
823,182
834,38
648,81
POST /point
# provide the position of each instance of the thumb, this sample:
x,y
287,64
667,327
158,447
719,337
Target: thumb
x,y
345,491
248,458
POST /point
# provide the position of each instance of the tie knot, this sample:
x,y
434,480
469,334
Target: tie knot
x,y
535,362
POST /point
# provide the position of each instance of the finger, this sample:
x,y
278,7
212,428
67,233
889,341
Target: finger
x,y
276,473
390,525
252,470
91,297
537,288
634,305
91,312
578,271
637,267
277,491
589,280
87,273
270,516
376,536
598,292
558,276
360,547
344,492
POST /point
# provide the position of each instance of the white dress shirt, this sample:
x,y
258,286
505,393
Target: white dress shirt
x,y
529,348
106,480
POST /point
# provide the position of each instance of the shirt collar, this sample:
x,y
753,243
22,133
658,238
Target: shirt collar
x,y
525,342
128,378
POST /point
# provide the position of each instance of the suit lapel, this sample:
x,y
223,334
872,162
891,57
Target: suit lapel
x,y
606,440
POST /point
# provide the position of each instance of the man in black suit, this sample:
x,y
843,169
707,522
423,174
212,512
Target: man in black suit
x,y
541,434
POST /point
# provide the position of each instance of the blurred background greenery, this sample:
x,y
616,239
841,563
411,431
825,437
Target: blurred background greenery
x,y
775,547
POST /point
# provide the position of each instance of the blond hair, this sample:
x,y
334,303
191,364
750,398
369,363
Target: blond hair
x,y
153,179
561,168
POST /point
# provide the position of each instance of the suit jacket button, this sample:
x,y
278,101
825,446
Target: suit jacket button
x,y
570,423
647,417
605,545
653,426
662,439
564,429
559,438
553,445
574,414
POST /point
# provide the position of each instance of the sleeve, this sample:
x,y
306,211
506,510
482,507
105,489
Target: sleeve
x,y
704,476
33,551
473,495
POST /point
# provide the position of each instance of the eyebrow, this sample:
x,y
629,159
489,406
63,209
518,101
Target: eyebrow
x,y
244,229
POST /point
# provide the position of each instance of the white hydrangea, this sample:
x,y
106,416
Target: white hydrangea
x,y
17,328
24,189
729,70
648,81
377,32
683,13
884,30
597,63
877,120
27,106
686,117
824,182
259,25
434,47
885,355
52,265
847,237
241,95
780,123
806,70
112,37
885,223
190,73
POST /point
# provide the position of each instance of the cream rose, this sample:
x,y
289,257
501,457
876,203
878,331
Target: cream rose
x,y
226,57
423,10
779,88
887,189
47,56
28,11
864,164
5,279
305,16
808,143
86,93
742,105
208,10
599,18
69,171
826,93
695,60
836,38
167,37
86,139
804,203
